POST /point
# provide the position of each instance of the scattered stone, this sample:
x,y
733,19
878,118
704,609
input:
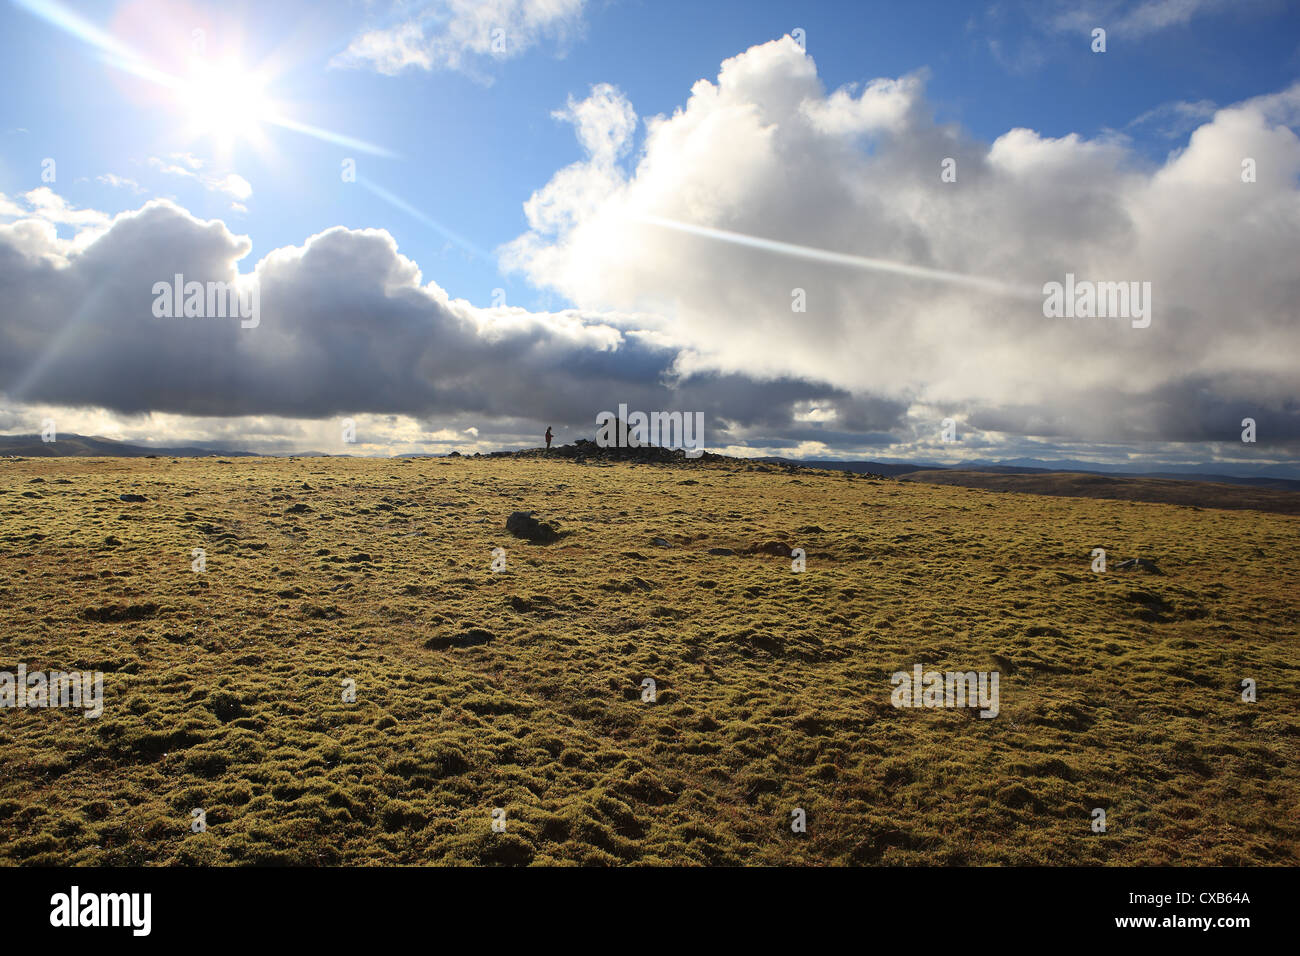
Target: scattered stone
x,y
226,706
660,543
132,498
328,613
772,547
721,551
297,509
471,638
1139,564
120,612
522,524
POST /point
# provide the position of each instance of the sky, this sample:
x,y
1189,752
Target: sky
x,y
829,227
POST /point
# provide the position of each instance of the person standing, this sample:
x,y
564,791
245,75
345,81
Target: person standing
x,y
548,437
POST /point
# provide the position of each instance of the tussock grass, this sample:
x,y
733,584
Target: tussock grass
x,y
522,690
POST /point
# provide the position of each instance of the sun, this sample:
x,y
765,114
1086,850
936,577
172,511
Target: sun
x,y
223,101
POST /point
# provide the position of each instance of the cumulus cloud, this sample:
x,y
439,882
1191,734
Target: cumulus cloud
x,y
458,34
348,327
765,151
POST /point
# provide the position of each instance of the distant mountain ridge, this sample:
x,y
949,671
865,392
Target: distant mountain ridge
x,y
1277,477
83,446
1267,476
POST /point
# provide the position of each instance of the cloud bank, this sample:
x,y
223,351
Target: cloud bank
x,y
698,320
765,151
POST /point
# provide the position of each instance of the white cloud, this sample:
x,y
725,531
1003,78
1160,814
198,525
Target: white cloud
x,y
231,184
765,151
460,34
119,182
48,205
1142,18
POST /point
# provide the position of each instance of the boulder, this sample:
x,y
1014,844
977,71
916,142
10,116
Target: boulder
x,y
1135,564
522,524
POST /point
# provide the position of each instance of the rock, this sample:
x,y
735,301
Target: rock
x,y
471,638
120,612
522,524
132,498
297,509
660,543
1138,564
315,612
226,706
772,547
721,551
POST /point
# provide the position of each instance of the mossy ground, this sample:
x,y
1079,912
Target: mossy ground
x,y
521,690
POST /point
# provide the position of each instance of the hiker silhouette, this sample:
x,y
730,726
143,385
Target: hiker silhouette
x,y
548,437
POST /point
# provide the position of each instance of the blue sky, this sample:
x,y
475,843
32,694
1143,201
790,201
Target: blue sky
x,y
473,135
473,148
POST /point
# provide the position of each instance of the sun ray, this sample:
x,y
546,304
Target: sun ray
x,y
224,98
410,210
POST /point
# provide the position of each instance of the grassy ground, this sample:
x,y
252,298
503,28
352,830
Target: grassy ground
x,y
521,690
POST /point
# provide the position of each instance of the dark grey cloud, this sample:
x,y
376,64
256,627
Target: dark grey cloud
x,y
345,327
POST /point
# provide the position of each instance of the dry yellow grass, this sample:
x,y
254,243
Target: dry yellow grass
x,y
521,690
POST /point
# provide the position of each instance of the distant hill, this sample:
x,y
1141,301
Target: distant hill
x,y
82,446
1199,493
888,469
1022,466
